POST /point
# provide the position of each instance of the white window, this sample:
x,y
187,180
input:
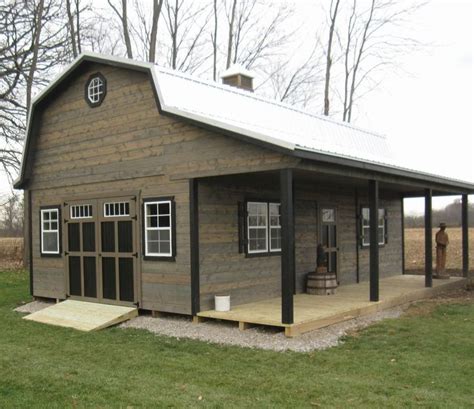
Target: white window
x,y
83,211
257,227
116,209
49,231
95,90
275,227
158,229
366,227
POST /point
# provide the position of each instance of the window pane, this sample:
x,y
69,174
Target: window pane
x,y
164,208
45,215
381,235
164,235
165,247
252,220
262,220
381,217
151,209
164,221
152,221
50,242
365,216
153,247
54,225
366,233
152,235
252,233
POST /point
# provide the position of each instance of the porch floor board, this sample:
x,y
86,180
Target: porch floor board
x,y
350,301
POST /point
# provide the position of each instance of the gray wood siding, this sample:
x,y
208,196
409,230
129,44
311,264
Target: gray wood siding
x,y
225,271
125,145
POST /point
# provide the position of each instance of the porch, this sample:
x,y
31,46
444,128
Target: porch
x,y
312,311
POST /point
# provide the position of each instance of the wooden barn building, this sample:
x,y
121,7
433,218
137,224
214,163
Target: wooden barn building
x,y
145,186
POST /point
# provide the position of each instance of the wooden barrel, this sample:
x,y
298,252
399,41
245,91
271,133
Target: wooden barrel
x,y
321,284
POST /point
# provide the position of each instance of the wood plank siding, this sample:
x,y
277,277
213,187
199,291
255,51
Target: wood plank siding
x,y
226,271
124,146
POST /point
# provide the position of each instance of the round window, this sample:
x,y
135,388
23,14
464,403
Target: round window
x,y
96,88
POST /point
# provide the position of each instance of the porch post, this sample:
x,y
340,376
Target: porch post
x,y
194,245
465,236
287,245
428,240
374,239
403,234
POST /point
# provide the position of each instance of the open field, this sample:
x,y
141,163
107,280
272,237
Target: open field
x,y
423,359
11,252
415,250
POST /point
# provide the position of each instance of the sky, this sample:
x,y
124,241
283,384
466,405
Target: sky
x,y
426,110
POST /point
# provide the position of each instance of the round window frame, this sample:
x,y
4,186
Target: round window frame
x,y
101,96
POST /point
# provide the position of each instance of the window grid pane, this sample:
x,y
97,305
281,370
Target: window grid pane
x,y
366,226
83,211
158,235
257,223
117,209
50,231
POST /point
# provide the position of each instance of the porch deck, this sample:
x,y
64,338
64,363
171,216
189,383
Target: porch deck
x,y
312,311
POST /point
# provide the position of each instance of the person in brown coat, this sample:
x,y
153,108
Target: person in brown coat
x,y
442,241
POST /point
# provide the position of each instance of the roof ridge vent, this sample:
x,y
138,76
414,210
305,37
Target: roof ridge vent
x,y
238,76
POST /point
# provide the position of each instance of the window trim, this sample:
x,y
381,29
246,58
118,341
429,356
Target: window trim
x,y
57,253
361,224
90,216
155,256
107,216
267,252
86,90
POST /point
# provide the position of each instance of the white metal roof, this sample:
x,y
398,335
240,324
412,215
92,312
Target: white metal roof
x,y
266,120
242,112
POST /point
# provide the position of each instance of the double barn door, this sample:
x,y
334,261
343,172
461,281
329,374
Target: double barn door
x,y
101,250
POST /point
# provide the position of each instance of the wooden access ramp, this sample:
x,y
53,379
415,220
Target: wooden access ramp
x,y
83,316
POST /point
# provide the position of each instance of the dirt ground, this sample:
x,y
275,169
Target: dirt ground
x,y
415,250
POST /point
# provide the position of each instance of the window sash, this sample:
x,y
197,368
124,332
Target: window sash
x,y
259,215
117,209
150,229
266,217
47,226
274,227
366,226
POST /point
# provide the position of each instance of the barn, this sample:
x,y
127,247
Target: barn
x,y
152,188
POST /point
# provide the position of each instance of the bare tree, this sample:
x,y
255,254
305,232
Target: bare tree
x,y
11,216
214,42
72,29
332,26
230,40
369,46
157,5
35,45
123,16
186,23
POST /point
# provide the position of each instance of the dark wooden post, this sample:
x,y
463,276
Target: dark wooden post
x,y
194,243
428,239
287,245
465,236
374,239
403,234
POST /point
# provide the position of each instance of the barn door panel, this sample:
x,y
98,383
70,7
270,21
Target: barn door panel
x,y
118,249
80,217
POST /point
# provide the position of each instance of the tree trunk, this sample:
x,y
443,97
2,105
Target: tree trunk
x,y
78,27
34,58
126,34
231,35
214,44
72,33
329,58
157,4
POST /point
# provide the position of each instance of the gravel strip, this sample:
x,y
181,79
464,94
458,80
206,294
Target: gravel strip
x,y
226,333
34,306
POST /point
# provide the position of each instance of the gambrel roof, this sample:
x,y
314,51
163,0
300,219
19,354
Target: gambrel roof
x,y
260,120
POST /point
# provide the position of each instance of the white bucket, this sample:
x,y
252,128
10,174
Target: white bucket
x,y
222,302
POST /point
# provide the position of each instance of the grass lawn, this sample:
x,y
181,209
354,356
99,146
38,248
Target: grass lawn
x,y
420,360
